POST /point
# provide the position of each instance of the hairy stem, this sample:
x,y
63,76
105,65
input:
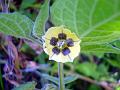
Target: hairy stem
x,y
61,76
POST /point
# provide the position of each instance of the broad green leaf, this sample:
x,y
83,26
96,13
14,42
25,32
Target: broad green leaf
x,y
101,48
16,25
116,43
94,21
70,79
26,86
83,16
51,78
104,34
39,26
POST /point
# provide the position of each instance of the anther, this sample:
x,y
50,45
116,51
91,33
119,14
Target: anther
x,y
56,50
65,51
62,36
53,41
70,42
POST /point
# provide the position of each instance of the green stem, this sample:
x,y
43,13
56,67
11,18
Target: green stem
x,y
61,76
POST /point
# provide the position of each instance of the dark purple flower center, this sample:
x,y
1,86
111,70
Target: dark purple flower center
x,y
61,44
66,51
56,50
62,36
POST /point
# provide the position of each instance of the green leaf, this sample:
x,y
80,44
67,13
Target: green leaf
x,y
116,43
106,33
115,63
98,72
70,79
103,69
39,26
41,58
101,48
16,25
26,3
117,88
49,87
26,86
94,87
96,22
51,78
83,16
87,68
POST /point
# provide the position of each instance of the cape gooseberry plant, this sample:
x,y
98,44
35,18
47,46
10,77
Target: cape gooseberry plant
x,y
89,25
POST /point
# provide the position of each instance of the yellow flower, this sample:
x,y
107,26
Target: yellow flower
x,y
61,44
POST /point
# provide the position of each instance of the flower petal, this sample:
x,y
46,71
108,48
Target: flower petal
x,y
53,31
75,50
70,35
60,58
